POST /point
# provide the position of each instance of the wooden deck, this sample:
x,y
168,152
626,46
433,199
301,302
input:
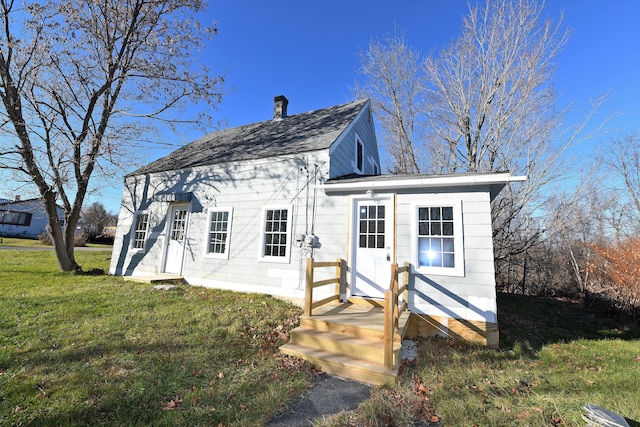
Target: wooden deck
x,y
156,278
347,340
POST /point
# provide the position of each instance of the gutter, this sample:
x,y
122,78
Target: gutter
x,y
374,183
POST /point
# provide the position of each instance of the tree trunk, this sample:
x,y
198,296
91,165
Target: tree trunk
x,y
63,240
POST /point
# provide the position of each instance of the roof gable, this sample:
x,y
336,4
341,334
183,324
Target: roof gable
x,y
314,130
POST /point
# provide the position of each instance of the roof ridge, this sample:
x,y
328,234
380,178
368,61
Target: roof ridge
x,y
316,111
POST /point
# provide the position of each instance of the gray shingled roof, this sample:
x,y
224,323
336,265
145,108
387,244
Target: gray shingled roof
x,y
314,130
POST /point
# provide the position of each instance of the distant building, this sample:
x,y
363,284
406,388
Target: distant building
x,y
24,218
109,231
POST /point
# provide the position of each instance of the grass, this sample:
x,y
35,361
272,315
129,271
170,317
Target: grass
x,y
18,242
95,350
35,243
555,357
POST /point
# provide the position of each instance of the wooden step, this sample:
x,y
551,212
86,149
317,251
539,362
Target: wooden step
x,y
343,365
339,327
362,348
156,279
355,325
347,340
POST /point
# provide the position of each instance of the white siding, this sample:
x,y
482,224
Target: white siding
x,y
247,187
471,296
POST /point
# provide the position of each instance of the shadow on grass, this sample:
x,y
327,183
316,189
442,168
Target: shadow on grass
x,y
133,384
539,321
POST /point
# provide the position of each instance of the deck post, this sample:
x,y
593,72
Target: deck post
x,y
406,275
394,301
308,290
339,276
388,329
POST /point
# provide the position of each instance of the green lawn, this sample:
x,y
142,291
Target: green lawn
x,y
95,350
555,357
18,242
35,243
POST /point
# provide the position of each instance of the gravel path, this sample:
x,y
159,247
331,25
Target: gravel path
x,y
328,396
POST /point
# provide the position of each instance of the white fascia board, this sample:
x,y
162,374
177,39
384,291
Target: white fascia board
x,y
424,182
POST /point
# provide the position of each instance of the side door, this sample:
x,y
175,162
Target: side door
x,y
174,253
372,246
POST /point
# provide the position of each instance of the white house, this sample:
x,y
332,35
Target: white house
x,y
24,218
243,209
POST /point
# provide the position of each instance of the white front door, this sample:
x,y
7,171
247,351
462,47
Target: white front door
x,y
175,239
373,244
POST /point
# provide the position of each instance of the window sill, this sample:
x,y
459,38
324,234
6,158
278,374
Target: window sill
x,y
217,256
276,260
439,271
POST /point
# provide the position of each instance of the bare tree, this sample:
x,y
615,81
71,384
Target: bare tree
x,y
492,107
93,220
577,222
484,103
491,100
76,76
393,83
622,158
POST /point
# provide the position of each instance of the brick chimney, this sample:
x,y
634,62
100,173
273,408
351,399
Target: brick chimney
x,y
280,107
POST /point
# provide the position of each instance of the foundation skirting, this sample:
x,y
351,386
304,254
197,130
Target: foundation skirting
x,y
474,331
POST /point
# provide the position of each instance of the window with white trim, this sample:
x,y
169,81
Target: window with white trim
x,y
140,231
219,233
438,239
276,233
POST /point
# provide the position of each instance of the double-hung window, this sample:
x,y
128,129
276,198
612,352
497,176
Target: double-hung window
x,y
219,233
140,231
438,244
276,233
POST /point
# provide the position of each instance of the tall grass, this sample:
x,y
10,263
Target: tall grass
x,y
95,350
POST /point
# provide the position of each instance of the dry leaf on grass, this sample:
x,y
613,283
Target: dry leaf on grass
x,y
173,404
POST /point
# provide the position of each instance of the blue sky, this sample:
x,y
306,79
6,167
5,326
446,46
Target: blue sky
x,y
308,51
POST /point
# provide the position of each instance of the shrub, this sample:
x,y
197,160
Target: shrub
x,y
616,276
79,240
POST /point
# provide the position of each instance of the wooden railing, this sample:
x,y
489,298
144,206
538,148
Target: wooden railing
x,y
393,308
309,304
